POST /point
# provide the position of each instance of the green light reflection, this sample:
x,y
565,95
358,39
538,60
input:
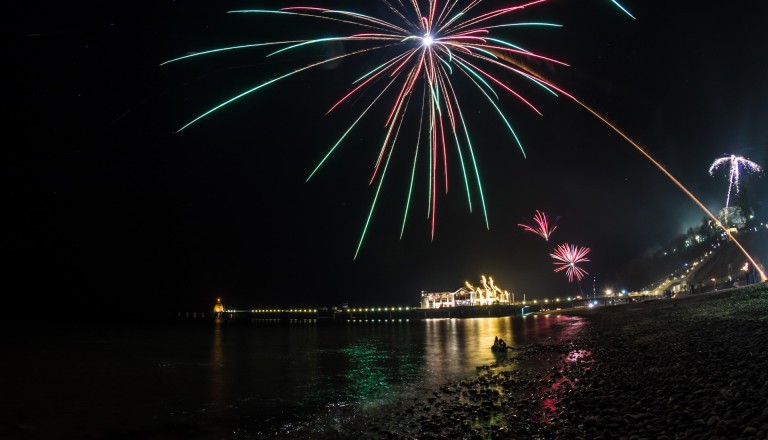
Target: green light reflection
x,y
373,373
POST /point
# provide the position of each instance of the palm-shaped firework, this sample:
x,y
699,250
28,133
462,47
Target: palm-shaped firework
x,y
540,226
567,256
735,163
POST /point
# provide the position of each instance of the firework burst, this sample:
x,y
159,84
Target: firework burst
x,y
429,45
567,256
540,225
735,165
433,44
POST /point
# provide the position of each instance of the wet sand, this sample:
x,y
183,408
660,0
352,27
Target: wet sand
x,y
693,368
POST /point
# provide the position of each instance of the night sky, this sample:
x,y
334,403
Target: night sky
x,y
107,208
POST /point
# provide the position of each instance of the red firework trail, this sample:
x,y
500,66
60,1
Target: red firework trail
x,y
541,227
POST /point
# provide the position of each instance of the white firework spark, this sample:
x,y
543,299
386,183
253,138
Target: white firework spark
x,y
736,163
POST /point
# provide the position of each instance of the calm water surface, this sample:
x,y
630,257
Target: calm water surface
x,y
217,380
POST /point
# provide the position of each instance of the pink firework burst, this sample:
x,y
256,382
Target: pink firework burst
x,y
567,256
541,226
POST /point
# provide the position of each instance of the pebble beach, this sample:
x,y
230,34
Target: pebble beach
x,y
694,367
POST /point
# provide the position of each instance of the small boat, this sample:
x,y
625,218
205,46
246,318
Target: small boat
x,y
499,347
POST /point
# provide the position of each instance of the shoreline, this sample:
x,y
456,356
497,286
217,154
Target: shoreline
x,y
691,367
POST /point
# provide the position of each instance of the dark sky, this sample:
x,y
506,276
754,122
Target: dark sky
x,y
106,207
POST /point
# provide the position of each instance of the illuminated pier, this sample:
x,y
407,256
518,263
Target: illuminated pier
x,y
482,301
335,315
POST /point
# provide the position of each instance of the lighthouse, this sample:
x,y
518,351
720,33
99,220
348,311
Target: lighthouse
x,y
218,308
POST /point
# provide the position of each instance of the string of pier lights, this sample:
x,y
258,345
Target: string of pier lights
x,y
356,310
400,309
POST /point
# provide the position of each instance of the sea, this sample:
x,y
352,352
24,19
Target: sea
x,y
211,379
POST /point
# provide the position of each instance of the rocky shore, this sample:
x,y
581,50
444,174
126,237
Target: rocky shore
x,y
688,368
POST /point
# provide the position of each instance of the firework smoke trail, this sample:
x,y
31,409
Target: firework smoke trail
x,y
567,256
432,45
542,226
734,175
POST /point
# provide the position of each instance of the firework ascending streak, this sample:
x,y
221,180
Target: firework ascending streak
x,y
736,163
682,187
541,227
429,49
567,256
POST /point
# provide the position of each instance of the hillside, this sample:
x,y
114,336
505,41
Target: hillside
x,y
728,259
718,258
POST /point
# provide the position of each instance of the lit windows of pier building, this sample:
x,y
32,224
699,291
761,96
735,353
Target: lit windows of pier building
x,y
485,294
